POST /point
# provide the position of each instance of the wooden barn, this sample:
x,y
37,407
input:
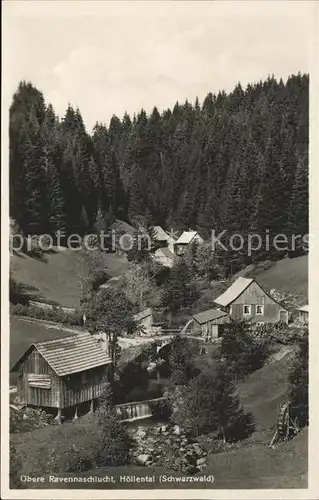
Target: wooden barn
x,y
245,300
63,374
144,320
303,314
209,323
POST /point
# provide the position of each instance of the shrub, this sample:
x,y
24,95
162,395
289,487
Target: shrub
x,y
133,379
208,403
114,446
27,419
182,353
73,449
243,350
56,314
161,409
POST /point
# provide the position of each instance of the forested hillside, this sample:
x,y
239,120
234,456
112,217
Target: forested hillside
x,y
237,161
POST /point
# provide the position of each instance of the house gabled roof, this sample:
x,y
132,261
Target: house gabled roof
x,y
236,289
209,315
166,252
304,308
73,354
186,237
143,314
160,234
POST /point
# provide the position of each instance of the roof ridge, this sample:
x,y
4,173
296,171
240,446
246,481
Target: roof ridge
x,y
49,341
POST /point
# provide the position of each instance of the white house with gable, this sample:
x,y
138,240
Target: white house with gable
x,y
185,239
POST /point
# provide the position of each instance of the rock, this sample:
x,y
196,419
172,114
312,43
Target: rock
x,y
177,430
200,461
202,467
142,459
140,433
163,428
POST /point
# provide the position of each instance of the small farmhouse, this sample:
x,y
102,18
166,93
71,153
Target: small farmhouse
x,y
186,238
160,236
303,314
163,239
144,320
245,300
63,374
165,257
209,323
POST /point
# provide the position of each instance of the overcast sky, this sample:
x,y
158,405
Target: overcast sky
x,y
111,57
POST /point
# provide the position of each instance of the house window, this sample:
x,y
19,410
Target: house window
x,y
247,310
259,309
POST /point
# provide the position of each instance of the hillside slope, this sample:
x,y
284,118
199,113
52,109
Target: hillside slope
x,y
265,390
286,276
57,277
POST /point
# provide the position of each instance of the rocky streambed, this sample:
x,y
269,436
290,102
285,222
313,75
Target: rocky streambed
x,y
167,446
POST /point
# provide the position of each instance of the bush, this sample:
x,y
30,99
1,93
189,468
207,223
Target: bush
x,y
73,449
182,353
114,446
56,315
133,381
243,350
27,419
208,403
161,409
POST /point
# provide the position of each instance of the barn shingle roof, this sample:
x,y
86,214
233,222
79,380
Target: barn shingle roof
x,y
304,308
209,315
160,234
143,314
72,354
233,291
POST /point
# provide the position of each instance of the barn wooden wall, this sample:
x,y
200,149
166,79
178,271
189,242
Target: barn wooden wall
x,y
64,391
79,388
35,363
253,296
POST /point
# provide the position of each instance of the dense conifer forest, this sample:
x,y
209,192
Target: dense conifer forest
x,y
236,161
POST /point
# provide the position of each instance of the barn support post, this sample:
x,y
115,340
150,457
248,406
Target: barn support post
x,y
58,416
92,406
76,412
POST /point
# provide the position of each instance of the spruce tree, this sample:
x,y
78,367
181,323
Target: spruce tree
x,y
298,225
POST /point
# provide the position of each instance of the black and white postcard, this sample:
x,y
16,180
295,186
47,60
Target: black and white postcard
x,y
159,221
